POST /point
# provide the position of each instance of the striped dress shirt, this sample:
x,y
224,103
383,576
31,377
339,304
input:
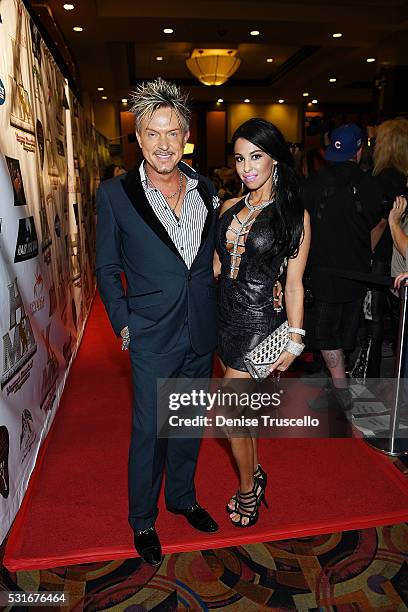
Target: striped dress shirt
x,y
185,232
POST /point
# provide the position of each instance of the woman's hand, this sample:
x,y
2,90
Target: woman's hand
x,y
398,209
398,279
284,360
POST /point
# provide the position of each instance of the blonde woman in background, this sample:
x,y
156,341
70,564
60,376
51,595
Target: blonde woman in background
x,y
388,238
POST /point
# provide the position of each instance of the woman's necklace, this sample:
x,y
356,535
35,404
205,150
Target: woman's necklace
x,y
254,207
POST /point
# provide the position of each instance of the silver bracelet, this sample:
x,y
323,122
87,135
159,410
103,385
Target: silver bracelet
x,y
295,348
296,330
125,339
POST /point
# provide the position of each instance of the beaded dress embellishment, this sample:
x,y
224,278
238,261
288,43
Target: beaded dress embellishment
x,y
241,232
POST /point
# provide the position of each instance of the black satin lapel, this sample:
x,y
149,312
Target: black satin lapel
x,y
134,190
207,199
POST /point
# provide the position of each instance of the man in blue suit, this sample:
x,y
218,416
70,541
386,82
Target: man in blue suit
x,y
157,225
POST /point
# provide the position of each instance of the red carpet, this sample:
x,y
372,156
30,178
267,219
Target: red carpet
x,y
76,507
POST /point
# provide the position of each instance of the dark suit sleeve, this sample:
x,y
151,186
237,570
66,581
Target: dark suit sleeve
x,y
371,200
109,263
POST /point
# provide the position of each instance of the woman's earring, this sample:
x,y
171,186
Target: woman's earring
x,y
275,177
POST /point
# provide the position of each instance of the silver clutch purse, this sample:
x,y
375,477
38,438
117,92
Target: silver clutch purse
x,y
259,359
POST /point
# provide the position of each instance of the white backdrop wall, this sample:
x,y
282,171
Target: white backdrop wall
x,y
50,157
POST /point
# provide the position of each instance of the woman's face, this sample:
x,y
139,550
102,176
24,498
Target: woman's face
x,y
253,165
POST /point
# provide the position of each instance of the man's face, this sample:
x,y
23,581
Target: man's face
x,y
162,140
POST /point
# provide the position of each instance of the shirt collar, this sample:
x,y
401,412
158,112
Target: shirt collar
x,y
185,169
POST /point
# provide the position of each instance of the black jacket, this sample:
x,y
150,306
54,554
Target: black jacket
x,y
344,205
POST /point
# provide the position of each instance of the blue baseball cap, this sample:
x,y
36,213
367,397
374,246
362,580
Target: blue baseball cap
x,y
345,141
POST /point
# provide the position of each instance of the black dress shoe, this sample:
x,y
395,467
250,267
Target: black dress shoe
x,y
197,517
148,546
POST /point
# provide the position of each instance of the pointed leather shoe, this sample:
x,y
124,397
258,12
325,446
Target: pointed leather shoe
x,y
197,517
148,546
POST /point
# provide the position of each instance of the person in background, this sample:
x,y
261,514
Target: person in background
x,y
112,170
391,170
344,206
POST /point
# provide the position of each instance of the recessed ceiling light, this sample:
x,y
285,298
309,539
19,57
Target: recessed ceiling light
x,y
305,94
247,100
370,60
332,80
254,32
78,29
168,30
269,60
100,88
124,101
159,58
337,35
104,97
314,101
281,100
69,7
220,100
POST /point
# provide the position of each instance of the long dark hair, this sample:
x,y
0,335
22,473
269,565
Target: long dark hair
x,y
288,207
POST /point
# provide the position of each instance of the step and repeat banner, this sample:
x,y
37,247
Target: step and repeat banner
x,y
50,161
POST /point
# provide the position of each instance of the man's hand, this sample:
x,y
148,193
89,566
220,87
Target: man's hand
x,y
398,279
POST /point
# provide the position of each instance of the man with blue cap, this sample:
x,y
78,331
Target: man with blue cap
x,y
345,204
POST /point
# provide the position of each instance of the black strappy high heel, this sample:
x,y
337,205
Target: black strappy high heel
x,y
261,477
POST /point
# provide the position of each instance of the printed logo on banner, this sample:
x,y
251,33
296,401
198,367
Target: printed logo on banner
x,y
27,436
27,242
50,375
75,259
2,93
21,115
60,148
57,225
40,140
53,300
36,41
67,350
39,298
46,236
19,343
4,461
14,169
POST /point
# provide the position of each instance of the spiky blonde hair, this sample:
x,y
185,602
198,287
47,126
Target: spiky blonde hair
x,y
150,96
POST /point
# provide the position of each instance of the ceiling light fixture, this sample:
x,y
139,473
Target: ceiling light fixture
x,y
168,31
309,104
159,58
314,101
269,60
124,101
104,97
247,100
305,94
254,32
69,7
281,100
370,60
332,80
220,100
78,29
337,35
100,88
213,66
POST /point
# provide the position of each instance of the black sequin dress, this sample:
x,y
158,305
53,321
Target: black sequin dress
x,y
246,313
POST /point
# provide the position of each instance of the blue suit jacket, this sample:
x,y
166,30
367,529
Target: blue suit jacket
x,y
161,290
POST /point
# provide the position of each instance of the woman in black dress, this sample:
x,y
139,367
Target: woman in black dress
x,y
258,236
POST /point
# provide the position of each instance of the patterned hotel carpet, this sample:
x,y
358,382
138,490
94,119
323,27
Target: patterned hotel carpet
x,y
351,571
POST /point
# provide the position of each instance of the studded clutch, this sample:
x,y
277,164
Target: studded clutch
x,y
259,359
